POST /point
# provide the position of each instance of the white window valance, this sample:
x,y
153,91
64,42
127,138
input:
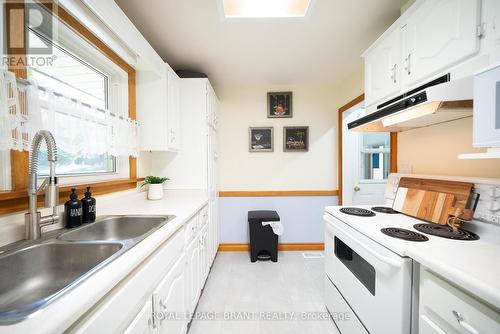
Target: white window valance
x,y
78,127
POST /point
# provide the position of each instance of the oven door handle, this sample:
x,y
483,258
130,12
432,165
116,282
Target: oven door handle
x,y
384,259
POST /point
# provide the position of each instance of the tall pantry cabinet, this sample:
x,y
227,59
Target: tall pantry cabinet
x,y
195,165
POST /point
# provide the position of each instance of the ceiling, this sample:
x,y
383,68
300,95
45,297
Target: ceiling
x,y
322,48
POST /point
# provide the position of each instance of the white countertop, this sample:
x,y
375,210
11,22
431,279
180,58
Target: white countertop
x,y
64,311
471,265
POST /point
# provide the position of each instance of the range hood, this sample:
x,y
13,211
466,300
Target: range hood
x,y
437,101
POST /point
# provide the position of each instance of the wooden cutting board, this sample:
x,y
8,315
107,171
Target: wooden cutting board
x,y
431,200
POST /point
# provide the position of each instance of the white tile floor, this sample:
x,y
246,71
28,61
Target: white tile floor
x,y
263,290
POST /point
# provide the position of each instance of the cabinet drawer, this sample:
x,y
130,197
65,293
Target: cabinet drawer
x,y
192,228
446,309
345,319
204,216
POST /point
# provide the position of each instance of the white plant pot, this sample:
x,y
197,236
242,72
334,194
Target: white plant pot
x,y
155,191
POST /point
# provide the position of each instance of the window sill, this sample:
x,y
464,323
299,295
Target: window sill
x,y
17,200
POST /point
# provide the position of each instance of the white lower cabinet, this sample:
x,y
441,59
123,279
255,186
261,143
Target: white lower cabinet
x,y
160,293
445,309
169,301
143,322
192,275
204,255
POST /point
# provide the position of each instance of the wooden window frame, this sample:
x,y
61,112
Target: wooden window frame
x,y
393,143
17,199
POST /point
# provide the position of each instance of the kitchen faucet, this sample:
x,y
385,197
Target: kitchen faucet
x,y
33,219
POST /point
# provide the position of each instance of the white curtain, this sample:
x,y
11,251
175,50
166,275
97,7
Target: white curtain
x,y
77,127
15,128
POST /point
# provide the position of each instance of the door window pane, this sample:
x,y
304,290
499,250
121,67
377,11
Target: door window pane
x,y
375,156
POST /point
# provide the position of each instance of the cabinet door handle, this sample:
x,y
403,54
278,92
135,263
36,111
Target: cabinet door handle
x,y
408,64
465,325
394,73
157,318
163,305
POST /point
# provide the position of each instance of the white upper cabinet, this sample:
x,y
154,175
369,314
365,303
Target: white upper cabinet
x,y
439,34
157,85
382,70
491,17
151,90
428,40
158,109
173,110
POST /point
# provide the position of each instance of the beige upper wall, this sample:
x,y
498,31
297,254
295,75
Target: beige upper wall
x,y
431,150
434,150
313,106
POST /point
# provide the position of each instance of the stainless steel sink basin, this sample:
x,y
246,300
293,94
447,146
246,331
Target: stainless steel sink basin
x,y
32,277
117,228
34,273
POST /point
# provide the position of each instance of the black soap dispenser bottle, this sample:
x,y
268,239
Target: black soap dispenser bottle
x,y
89,207
73,210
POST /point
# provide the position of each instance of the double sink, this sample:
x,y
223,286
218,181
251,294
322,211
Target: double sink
x,y
34,274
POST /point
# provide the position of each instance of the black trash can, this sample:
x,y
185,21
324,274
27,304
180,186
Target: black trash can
x,y
263,241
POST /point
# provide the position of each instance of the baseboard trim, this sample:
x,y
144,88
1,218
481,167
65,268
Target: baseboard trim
x,y
287,246
234,247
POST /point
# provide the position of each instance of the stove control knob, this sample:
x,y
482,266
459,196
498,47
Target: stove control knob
x,y
494,206
494,192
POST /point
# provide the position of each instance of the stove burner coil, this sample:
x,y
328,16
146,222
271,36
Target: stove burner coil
x,y
444,231
357,212
401,233
384,209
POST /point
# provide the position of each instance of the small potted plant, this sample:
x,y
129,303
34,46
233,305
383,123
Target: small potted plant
x,y
155,188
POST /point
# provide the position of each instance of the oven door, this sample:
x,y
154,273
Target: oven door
x,y
374,282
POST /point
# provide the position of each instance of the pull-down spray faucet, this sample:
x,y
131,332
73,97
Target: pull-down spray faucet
x,y
33,219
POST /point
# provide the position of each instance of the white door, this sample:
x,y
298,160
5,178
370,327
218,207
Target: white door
x,y
382,68
169,301
365,163
143,322
440,33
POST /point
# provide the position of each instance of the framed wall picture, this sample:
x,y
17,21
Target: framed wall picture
x,y
261,139
295,139
279,105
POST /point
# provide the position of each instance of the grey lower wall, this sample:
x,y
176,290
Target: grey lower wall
x,y
302,217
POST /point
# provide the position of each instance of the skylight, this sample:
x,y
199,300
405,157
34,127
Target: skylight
x,y
265,8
